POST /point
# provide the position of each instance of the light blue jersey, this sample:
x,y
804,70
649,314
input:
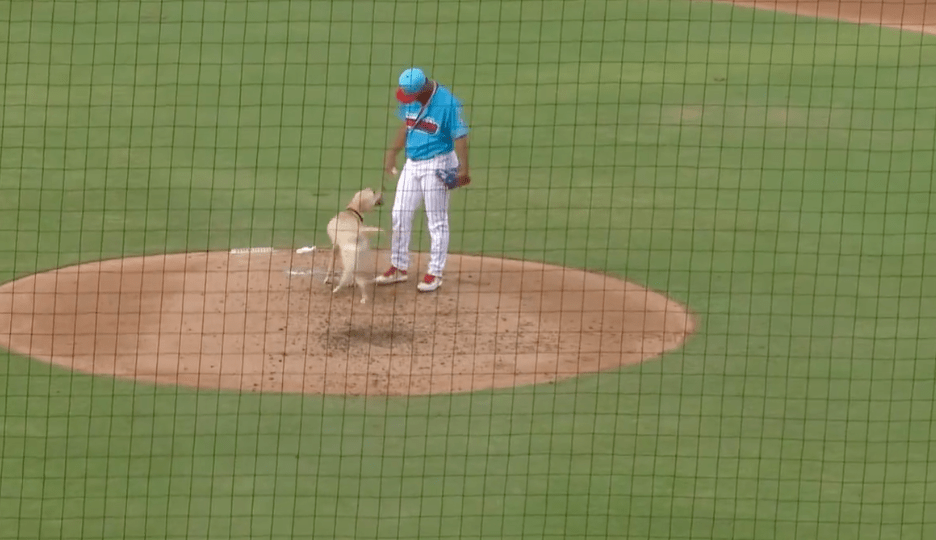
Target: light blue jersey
x,y
432,130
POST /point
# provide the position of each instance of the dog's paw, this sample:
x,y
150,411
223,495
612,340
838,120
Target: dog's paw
x,y
336,289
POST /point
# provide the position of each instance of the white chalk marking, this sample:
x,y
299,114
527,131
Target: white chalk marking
x,y
251,251
305,271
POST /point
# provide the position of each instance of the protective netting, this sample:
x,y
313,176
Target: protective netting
x,y
722,329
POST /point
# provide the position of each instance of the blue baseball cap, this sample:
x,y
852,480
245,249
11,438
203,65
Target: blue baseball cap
x,y
411,82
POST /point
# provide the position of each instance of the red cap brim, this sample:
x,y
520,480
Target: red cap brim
x,y
403,97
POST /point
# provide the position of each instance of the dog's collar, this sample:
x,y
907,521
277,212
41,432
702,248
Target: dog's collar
x,y
356,213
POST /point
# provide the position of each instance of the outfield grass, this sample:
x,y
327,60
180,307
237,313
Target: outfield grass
x,y
775,177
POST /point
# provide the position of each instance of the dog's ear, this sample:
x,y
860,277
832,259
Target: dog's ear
x,y
355,203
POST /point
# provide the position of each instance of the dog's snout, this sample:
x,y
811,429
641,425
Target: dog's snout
x,y
379,200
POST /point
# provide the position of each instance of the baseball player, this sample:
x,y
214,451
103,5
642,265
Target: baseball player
x,y
435,136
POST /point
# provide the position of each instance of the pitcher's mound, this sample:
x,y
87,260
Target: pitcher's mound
x,y
265,322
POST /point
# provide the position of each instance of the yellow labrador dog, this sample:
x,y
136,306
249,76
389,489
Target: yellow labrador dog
x,y
348,236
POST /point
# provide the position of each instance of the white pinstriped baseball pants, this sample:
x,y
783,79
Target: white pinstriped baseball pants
x,y
418,184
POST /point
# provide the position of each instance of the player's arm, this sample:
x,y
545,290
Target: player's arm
x,y
461,150
460,136
397,144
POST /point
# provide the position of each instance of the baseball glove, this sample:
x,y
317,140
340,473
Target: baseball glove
x,y
452,179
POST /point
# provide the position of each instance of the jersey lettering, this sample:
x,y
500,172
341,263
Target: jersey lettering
x,y
427,125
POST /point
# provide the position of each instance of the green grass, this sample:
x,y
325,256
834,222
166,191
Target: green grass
x,y
775,176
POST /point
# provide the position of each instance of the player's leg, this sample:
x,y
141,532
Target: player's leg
x,y
407,199
437,218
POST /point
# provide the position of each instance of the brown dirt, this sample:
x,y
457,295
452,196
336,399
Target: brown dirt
x,y
265,322
911,15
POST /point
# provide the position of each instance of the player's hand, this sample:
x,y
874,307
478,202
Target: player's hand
x,y
463,177
390,163
452,178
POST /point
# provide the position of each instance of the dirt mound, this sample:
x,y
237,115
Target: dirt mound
x,y
265,322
